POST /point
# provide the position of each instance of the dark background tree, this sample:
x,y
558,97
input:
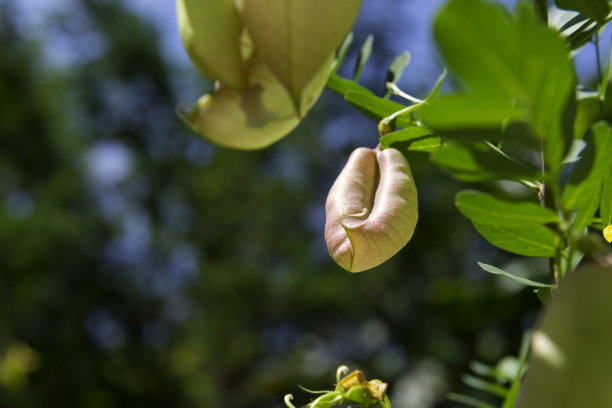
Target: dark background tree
x,y
142,267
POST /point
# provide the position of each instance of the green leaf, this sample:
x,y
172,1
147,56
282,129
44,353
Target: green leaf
x,y
364,56
434,91
587,112
595,9
528,240
296,37
471,401
508,70
343,86
377,108
341,53
483,385
584,189
414,138
394,73
539,283
469,111
482,369
485,209
570,359
474,162
515,389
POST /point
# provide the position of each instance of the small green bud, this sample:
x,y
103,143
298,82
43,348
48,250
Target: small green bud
x,y
359,394
327,400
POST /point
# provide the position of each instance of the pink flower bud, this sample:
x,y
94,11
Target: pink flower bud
x,y
371,209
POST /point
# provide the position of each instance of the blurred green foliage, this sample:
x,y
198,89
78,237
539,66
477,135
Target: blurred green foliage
x,y
142,267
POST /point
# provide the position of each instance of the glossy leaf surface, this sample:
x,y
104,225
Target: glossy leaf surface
x,y
414,138
510,69
528,240
486,209
477,163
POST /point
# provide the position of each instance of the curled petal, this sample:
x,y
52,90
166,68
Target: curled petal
x,y
212,32
255,117
371,209
295,37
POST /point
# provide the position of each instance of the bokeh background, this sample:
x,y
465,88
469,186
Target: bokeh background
x,y
143,267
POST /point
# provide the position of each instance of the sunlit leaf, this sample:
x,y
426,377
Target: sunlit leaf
x,y
377,108
436,89
394,73
508,69
414,138
474,162
587,112
468,111
343,86
486,209
342,50
570,357
364,55
528,240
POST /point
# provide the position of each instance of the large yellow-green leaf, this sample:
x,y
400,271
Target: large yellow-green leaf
x,y
256,117
571,363
211,32
296,37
